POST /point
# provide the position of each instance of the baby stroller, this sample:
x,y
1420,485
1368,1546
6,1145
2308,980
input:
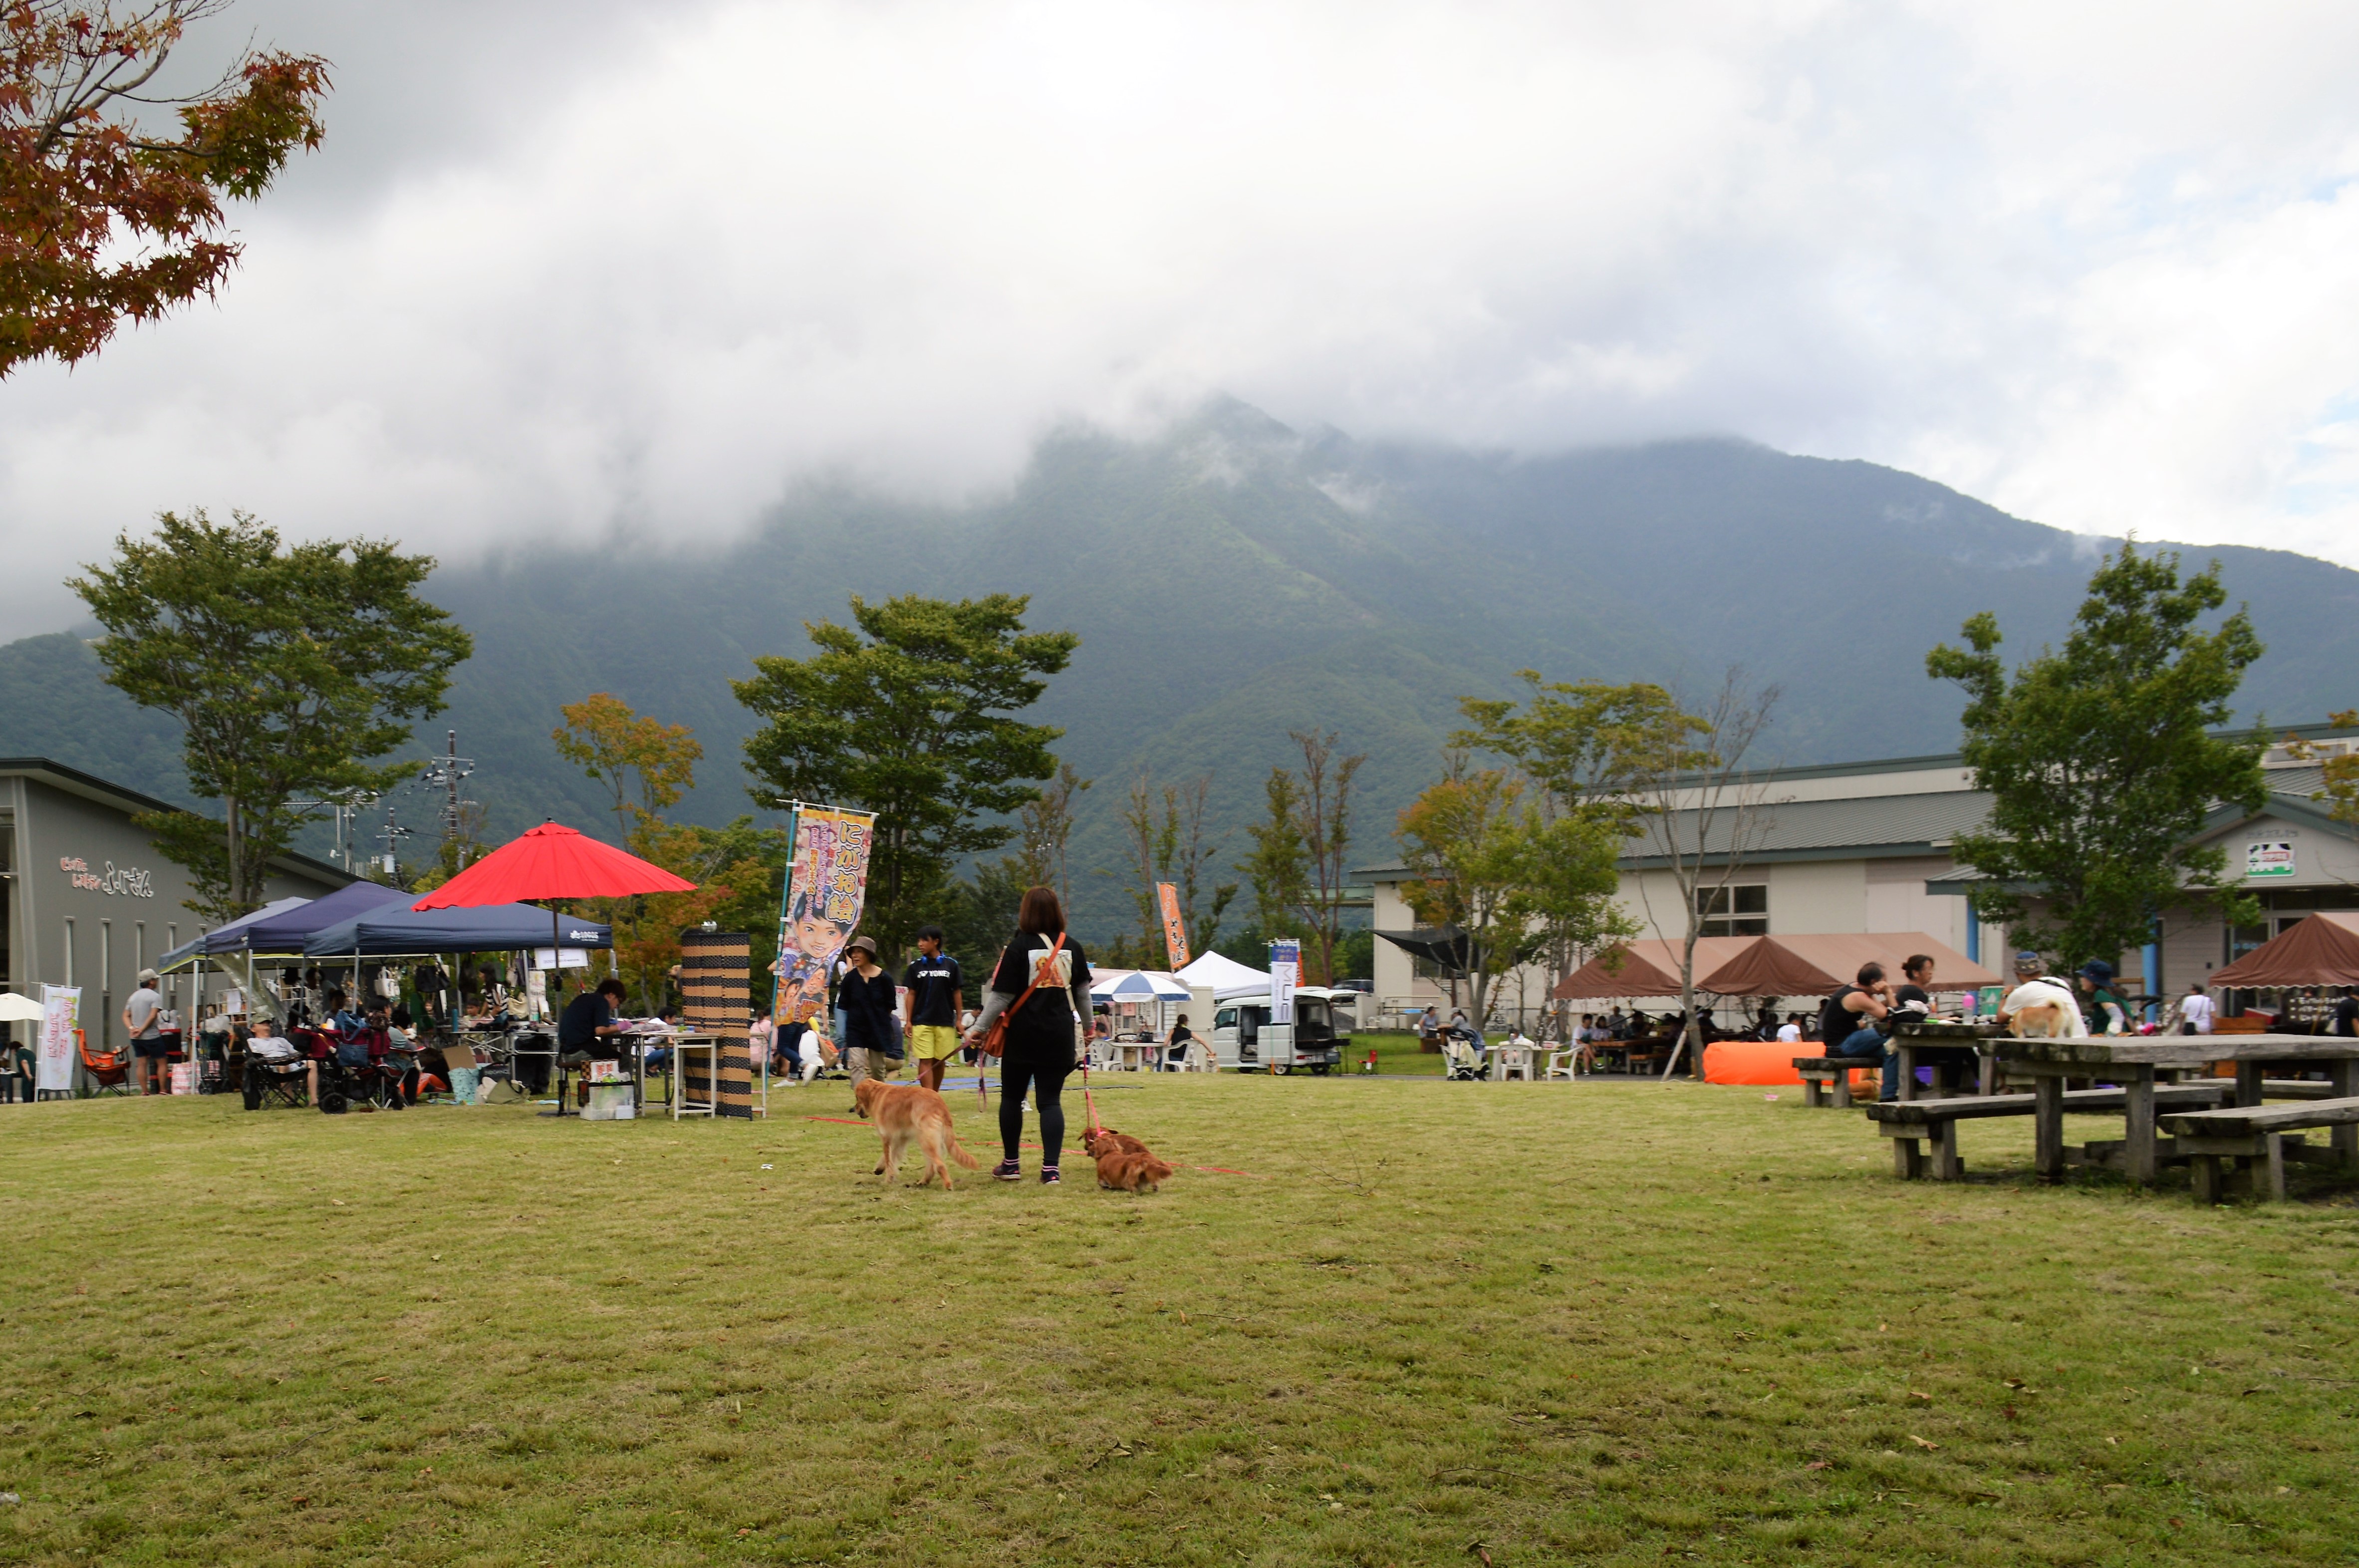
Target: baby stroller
x,y
356,1072
1462,1049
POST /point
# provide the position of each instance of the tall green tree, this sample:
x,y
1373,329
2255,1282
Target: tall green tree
x,y
1585,749
910,711
1464,838
2101,760
291,668
1278,869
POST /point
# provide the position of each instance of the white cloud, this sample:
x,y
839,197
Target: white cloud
x,y
636,269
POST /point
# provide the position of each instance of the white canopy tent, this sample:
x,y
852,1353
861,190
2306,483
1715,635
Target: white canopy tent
x,y
1214,972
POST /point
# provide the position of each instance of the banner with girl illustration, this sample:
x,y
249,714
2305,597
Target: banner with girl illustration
x,y
827,883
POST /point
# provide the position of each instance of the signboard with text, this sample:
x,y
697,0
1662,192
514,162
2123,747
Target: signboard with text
x,y
61,1013
1284,971
1175,929
2269,858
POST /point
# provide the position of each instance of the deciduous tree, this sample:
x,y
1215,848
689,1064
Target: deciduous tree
x,y
645,763
102,218
1464,840
1165,839
290,669
2101,761
1703,806
910,711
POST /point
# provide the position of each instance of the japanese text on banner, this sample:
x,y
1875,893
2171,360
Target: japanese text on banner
x,y
827,884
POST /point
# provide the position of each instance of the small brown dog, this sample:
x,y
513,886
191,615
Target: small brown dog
x,y
1130,1170
905,1114
1105,1140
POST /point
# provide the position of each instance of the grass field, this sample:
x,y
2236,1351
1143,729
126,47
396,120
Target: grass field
x,y
1425,1323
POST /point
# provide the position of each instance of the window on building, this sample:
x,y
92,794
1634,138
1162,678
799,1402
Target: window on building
x,y
1739,910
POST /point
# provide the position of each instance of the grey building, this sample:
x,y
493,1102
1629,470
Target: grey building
x,y
85,899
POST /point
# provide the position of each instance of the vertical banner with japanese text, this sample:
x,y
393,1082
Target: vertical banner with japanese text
x,y
61,1013
1284,971
1175,929
827,884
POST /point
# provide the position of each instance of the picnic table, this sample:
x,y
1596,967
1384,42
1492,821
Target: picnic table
x,y
2134,1062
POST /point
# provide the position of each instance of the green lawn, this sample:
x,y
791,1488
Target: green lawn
x,y
1432,1324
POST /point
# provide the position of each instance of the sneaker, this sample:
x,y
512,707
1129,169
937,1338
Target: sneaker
x,y
1049,1177
1008,1170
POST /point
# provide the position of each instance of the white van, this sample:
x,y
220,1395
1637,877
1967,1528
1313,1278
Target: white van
x,y
1316,1041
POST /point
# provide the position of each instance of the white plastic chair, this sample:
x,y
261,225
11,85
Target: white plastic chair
x,y
1511,1062
1561,1064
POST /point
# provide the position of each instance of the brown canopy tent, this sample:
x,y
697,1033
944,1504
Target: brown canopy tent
x,y
1812,965
1648,968
2320,951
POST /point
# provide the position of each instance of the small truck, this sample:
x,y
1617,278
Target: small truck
x,y
1316,1041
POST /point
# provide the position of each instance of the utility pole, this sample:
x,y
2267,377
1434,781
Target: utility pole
x,y
392,835
447,772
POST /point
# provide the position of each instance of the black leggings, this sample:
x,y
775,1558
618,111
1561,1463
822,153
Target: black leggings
x,y
1046,1082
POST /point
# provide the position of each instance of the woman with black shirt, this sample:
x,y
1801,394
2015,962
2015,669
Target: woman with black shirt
x,y
867,1001
1041,1033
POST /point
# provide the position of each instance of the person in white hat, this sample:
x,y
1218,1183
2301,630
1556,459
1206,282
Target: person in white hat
x,y
143,1020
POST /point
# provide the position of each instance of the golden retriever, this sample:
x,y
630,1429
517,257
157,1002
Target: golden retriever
x,y
904,1114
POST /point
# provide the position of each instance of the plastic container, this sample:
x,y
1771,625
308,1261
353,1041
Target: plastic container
x,y
608,1103
183,1078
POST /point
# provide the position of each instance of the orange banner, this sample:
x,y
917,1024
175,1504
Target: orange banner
x,y
1175,929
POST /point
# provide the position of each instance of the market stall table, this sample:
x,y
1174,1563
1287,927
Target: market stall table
x,y
2133,1061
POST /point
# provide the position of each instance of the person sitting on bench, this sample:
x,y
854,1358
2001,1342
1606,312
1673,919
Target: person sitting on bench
x,y
1847,1022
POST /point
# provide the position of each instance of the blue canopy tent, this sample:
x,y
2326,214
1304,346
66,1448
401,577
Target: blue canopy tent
x,y
399,931
225,938
286,933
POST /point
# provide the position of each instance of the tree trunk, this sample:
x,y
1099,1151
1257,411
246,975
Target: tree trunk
x,y
238,893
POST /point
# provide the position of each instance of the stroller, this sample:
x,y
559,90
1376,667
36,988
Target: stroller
x,y
358,1070
1462,1049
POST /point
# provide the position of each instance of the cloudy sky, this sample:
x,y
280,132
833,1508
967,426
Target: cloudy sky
x,y
605,268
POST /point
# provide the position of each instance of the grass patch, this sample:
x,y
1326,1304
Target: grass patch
x,y
1603,1322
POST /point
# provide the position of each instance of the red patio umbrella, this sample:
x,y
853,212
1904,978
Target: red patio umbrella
x,y
552,861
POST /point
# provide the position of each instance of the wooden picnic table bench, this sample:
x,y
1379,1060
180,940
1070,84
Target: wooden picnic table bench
x,y
1822,1072
1909,1123
2255,1141
2134,1061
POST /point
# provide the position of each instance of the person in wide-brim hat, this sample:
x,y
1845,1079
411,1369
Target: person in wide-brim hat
x,y
869,1003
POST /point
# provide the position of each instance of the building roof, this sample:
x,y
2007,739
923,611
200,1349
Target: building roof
x,y
90,787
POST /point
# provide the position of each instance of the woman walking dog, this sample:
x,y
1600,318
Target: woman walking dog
x,y
1041,988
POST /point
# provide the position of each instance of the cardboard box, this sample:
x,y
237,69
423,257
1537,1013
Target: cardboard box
x,y
607,1073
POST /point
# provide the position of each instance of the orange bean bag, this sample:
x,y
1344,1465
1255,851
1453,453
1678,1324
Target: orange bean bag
x,y
1759,1062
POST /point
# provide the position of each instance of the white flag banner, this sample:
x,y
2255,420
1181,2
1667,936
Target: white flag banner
x,y
1284,969
60,1011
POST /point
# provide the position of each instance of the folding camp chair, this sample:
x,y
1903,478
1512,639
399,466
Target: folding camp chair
x,y
110,1069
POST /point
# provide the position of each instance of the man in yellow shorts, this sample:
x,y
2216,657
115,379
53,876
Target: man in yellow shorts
x,y
932,993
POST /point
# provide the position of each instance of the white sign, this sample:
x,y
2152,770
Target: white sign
x,y
2271,858
122,881
60,1010
568,958
1284,969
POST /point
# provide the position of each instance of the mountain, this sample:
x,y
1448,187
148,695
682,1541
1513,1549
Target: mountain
x,y
1235,579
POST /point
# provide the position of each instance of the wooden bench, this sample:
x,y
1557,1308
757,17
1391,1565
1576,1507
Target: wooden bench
x,y
1909,1123
2262,1137
1821,1072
